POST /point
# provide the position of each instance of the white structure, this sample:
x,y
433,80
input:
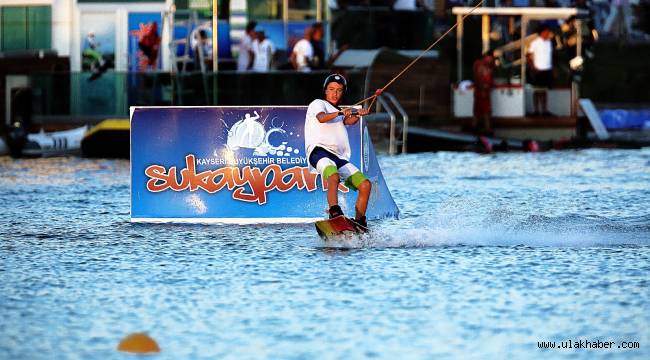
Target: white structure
x,y
513,100
67,18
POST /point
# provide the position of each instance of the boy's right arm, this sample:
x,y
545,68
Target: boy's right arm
x,y
324,117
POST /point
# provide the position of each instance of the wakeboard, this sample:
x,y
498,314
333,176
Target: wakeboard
x,y
332,228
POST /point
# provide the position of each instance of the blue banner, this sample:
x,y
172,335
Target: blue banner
x,y
236,164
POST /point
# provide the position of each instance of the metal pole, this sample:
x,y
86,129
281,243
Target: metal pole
x,y
215,51
405,120
575,93
285,12
524,25
285,18
459,49
579,37
392,148
319,10
215,36
485,32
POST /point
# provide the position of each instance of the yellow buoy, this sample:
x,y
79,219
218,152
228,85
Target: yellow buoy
x,y
138,343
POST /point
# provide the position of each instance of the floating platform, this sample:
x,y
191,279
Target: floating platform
x,y
108,139
538,133
424,139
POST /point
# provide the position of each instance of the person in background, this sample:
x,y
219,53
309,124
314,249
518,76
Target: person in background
x,y
483,83
303,52
246,56
263,50
91,51
149,44
318,60
201,47
569,37
91,55
540,63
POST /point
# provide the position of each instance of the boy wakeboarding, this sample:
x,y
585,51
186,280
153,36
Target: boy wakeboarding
x,y
328,148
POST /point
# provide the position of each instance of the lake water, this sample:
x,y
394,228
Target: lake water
x,y
493,254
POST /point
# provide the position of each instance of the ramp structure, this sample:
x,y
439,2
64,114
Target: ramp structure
x,y
594,119
237,165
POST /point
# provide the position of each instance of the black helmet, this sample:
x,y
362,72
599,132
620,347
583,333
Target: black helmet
x,y
337,78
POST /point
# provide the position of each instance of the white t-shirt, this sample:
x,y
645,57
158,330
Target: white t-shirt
x,y
244,57
330,135
263,54
542,51
304,53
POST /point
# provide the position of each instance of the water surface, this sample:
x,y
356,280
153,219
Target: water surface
x,y
493,254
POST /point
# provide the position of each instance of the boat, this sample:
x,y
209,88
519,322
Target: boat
x,y
45,144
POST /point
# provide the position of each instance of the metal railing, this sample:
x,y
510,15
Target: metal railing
x,y
392,105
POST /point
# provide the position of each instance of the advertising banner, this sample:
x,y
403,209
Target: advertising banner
x,y
237,164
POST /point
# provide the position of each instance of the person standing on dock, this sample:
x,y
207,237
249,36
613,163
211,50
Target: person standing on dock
x,y
303,52
483,83
328,147
246,56
316,41
540,63
264,50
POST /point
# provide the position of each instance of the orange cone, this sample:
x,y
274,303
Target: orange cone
x,y
138,343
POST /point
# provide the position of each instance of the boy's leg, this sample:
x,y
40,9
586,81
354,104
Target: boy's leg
x,y
362,199
331,176
356,180
326,167
332,189
332,170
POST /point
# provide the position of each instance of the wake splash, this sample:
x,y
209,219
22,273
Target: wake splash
x,y
501,229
